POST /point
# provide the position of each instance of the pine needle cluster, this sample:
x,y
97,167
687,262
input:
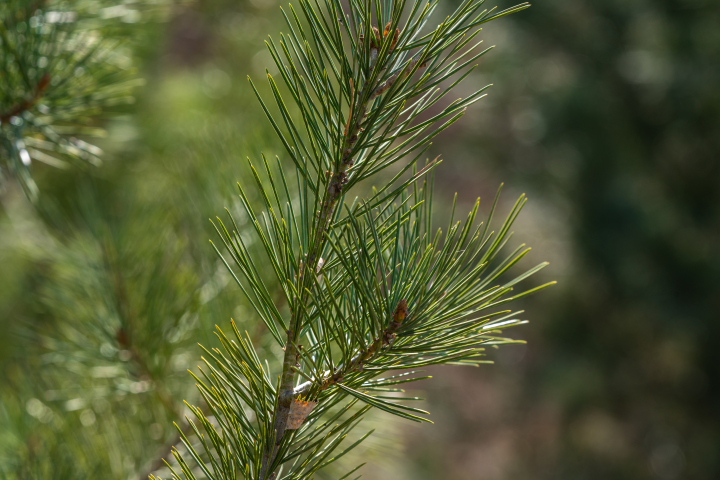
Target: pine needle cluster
x,y
370,292
60,67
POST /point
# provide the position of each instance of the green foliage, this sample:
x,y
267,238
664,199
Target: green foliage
x,y
367,288
106,285
118,310
60,67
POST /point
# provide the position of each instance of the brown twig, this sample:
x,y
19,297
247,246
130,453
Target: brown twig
x,y
359,360
123,335
28,103
327,211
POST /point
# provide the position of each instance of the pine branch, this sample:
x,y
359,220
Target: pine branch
x,y
357,362
369,287
60,69
28,103
290,360
327,212
123,335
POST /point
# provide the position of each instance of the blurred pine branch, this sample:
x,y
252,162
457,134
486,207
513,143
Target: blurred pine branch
x,y
63,66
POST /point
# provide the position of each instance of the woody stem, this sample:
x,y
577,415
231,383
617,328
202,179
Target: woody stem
x,y
327,211
332,195
361,357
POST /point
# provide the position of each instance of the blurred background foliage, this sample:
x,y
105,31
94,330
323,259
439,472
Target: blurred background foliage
x,y
606,113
